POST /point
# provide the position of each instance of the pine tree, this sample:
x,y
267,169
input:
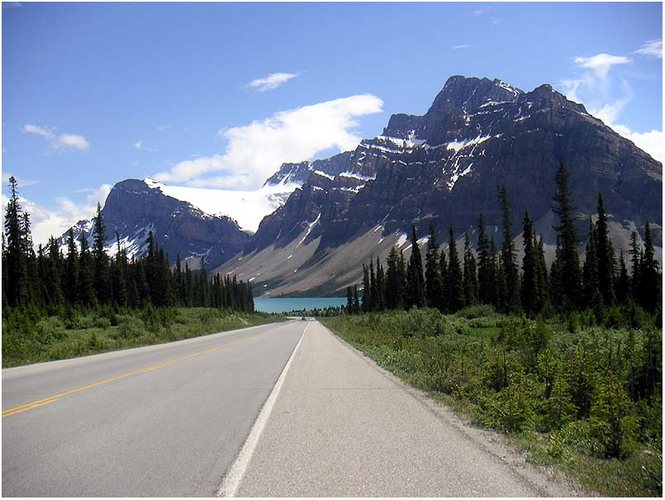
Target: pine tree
x,y
52,281
372,287
120,293
511,299
606,263
591,283
484,271
445,282
349,300
86,291
433,280
15,252
622,284
650,281
380,289
470,279
100,259
356,302
394,290
401,278
71,281
455,292
367,291
530,292
414,272
568,264
493,276
542,281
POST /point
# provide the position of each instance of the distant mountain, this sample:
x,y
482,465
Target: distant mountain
x,y
133,209
446,166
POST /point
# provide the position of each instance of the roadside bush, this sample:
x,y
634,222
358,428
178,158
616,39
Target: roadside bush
x,y
47,330
484,311
129,327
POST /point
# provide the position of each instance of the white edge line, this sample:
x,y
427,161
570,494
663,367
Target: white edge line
x,y
231,482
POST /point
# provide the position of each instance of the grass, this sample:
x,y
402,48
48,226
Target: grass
x,y
30,339
578,399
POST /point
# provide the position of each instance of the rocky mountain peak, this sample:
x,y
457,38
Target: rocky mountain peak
x,y
466,94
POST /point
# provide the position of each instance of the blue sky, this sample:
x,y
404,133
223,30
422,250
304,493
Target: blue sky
x,y
96,93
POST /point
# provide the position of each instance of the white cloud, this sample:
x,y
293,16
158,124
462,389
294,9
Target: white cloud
x,y
60,142
600,64
652,48
271,82
459,47
47,222
71,141
257,150
138,145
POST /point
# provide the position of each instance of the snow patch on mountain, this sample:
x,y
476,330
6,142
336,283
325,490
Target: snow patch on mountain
x,y
248,208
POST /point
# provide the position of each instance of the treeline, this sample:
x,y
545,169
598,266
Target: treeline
x,y
449,281
85,277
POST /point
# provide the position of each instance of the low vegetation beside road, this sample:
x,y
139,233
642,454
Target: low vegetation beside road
x,y
587,398
30,336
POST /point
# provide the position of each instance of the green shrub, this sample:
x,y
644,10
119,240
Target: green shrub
x,y
129,327
613,421
48,330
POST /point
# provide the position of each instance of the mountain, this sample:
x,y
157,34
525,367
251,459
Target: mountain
x,y
133,208
446,166
196,222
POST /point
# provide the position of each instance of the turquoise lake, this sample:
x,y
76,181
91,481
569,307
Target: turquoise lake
x,y
286,304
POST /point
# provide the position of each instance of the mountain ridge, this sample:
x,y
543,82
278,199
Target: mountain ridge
x,y
444,166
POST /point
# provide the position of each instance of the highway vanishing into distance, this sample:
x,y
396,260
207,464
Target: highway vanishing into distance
x,y
285,409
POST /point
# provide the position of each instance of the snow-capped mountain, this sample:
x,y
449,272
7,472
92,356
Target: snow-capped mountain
x,y
446,166
316,222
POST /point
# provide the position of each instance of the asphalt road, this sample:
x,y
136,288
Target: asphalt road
x,y
343,427
163,420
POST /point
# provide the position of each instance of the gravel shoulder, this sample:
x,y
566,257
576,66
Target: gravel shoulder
x,y
342,426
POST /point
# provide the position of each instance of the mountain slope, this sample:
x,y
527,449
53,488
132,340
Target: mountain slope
x,y
446,166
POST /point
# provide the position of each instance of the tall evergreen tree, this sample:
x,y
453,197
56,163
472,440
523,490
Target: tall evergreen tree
x,y
71,281
433,280
414,275
455,290
530,286
356,302
86,290
349,300
542,281
622,284
394,291
649,296
511,292
380,297
100,259
484,271
591,283
16,252
367,291
52,281
445,285
568,264
470,278
606,263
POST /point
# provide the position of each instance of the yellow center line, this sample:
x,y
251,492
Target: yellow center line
x,y
51,399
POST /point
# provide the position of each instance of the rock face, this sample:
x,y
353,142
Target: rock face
x,y
133,209
447,166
